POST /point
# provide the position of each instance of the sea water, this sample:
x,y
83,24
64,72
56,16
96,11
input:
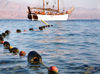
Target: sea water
x,y
73,46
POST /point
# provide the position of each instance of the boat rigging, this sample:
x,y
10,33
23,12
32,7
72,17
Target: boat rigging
x,y
48,13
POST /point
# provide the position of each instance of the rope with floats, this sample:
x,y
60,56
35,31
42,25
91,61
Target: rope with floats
x,y
44,65
33,57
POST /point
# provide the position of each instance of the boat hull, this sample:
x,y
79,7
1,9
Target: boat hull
x,y
47,17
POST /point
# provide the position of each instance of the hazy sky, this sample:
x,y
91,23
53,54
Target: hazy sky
x,y
76,3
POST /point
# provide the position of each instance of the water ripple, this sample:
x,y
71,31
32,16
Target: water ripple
x,y
72,46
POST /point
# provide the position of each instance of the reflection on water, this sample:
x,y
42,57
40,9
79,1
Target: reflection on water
x,y
72,46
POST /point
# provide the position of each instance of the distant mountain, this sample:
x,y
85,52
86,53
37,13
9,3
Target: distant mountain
x,y
12,10
83,13
11,6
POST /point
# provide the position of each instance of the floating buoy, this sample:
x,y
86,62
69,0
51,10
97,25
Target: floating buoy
x,y
2,42
4,34
43,26
10,48
53,70
10,31
6,44
34,58
14,50
24,30
85,65
51,25
18,31
48,25
22,53
31,29
40,28
1,38
37,30
7,32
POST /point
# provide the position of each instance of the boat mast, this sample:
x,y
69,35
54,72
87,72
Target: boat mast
x,y
58,5
43,6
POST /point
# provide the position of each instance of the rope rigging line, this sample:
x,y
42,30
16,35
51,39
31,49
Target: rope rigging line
x,y
54,3
44,65
63,5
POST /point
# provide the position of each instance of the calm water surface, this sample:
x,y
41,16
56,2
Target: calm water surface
x,y
72,46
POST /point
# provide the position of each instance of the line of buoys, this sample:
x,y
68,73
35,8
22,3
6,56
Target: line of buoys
x,y
18,31
43,27
3,35
33,57
32,29
6,44
11,49
47,25
14,50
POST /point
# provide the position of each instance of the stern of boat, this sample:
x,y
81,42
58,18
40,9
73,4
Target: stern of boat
x,y
31,16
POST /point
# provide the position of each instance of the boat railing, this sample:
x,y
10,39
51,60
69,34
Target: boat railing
x,y
39,11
